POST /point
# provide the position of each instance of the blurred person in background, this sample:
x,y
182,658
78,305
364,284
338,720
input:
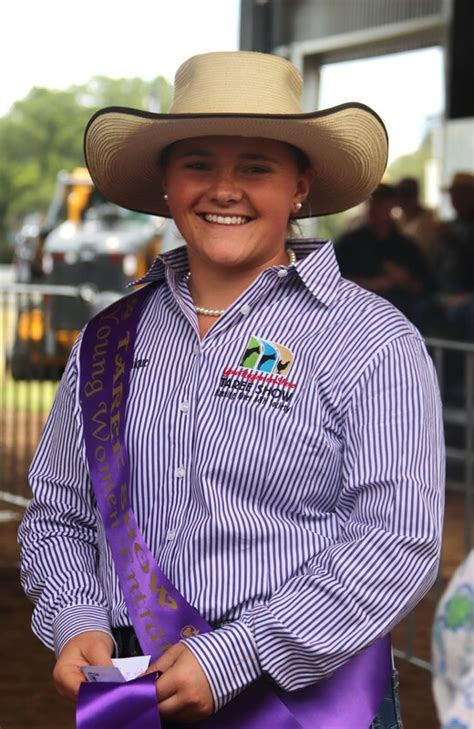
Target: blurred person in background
x,y
414,220
264,445
452,312
378,257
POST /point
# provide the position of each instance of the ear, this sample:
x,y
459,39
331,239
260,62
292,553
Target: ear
x,y
304,183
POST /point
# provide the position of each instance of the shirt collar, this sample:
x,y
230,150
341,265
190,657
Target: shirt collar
x,y
317,267
176,260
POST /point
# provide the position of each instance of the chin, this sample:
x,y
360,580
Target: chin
x,y
226,254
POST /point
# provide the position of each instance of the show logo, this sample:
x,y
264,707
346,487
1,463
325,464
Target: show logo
x,y
261,375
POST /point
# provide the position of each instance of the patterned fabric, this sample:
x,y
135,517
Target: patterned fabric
x,y
389,714
287,471
453,650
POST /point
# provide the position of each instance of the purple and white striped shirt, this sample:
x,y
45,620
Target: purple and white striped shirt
x,y
287,471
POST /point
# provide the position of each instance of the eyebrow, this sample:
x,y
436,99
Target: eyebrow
x,y
245,156
256,157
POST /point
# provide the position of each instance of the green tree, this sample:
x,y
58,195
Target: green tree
x,y
43,134
412,165
134,93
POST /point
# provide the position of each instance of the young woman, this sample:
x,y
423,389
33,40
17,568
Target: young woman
x,y
273,431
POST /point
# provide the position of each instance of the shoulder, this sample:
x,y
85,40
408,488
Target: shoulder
x,y
366,327
359,310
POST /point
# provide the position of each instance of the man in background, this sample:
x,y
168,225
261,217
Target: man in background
x,y
414,219
378,257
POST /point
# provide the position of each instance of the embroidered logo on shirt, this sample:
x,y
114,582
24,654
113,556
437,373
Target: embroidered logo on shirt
x,y
266,356
262,378
137,363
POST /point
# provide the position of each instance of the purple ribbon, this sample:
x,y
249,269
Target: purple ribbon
x,y
118,705
160,614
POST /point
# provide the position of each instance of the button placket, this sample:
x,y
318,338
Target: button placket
x,y
185,426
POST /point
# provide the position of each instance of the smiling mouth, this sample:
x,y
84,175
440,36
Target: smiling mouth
x,y
226,219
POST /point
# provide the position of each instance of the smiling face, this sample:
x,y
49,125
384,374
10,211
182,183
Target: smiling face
x,y
232,197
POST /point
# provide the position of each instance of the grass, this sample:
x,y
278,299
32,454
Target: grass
x,y
28,397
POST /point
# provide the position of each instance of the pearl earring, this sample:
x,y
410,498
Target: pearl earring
x,y
165,197
298,207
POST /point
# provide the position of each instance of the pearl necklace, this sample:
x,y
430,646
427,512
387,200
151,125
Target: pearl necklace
x,y
219,312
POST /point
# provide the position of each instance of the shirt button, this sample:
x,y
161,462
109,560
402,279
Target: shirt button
x,y
245,309
171,535
184,406
282,272
196,349
180,472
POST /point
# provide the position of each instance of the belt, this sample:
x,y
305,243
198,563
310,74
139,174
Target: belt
x,y
127,642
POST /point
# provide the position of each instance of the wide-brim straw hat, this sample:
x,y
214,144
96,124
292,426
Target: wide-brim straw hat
x,y
245,94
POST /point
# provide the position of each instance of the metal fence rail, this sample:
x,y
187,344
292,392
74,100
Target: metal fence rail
x,y
454,362
457,390
37,327
27,393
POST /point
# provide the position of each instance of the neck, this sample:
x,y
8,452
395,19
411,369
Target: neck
x,y
216,287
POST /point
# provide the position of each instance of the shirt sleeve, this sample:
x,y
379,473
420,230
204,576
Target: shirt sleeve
x,y
58,535
385,555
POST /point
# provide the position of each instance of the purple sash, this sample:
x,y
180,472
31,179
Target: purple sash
x,y
160,614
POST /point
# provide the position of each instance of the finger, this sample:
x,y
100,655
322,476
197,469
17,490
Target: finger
x,y
67,674
177,710
172,709
67,679
167,660
166,686
98,651
97,655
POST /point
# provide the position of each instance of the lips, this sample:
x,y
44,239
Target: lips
x,y
225,219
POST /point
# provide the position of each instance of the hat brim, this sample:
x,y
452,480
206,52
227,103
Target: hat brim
x,y
347,145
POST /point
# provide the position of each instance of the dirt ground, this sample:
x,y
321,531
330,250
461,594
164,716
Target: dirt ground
x,y
27,696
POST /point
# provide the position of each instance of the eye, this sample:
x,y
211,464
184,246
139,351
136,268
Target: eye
x,y
257,170
197,165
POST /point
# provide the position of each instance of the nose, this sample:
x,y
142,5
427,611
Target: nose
x,y
225,188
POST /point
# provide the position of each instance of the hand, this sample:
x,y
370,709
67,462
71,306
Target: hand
x,y
93,648
183,691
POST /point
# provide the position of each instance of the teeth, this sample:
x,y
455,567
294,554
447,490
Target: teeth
x,y
225,219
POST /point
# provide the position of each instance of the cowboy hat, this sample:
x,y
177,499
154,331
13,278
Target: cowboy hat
x,y
237,93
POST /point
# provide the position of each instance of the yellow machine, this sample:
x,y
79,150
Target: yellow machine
x,y
94,248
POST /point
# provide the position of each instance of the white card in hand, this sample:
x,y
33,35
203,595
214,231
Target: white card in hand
x,y
102,673
133,667
123,669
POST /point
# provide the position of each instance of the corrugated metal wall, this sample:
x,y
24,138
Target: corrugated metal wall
x,y
314,19
275,25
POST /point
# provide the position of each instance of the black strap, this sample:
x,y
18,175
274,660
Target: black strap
x,y
127,642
